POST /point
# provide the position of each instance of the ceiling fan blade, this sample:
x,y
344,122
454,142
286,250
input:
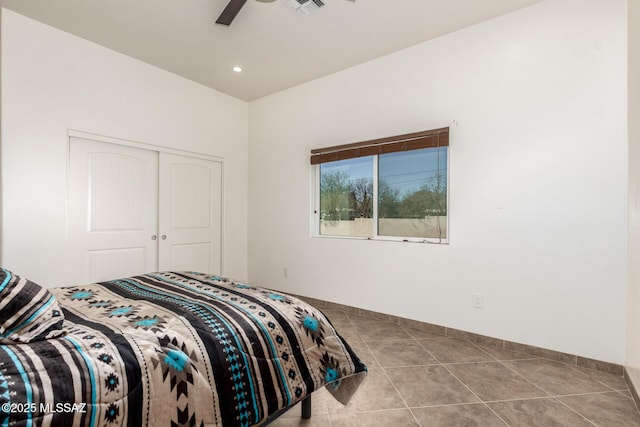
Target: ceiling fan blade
x,y
230,12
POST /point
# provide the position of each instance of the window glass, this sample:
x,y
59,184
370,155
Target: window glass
x,y
412,193
399,195
346,197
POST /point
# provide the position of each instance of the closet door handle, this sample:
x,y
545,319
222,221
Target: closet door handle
x,y
164,237
154,237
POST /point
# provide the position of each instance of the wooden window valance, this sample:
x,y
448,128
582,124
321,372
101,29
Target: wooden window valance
x,y
410,141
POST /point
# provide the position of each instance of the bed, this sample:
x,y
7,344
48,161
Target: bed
x,y
163,349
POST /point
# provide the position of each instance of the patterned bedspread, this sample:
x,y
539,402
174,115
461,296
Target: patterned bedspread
x,y
171,349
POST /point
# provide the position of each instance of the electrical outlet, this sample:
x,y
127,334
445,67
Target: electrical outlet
x,y
477,300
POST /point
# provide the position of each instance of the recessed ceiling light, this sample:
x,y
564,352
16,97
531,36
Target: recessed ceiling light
x,y
237,69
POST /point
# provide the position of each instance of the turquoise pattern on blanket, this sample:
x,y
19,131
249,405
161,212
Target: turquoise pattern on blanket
x,y
121,311
276,297
82,295
331,375
310,323
147,322
176,359
4,398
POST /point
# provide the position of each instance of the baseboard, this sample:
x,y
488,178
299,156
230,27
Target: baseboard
x,y
571,359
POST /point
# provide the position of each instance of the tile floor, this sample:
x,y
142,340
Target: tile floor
x,y
417,378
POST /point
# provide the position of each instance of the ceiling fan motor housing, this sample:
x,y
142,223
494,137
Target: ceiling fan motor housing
x,y
305,7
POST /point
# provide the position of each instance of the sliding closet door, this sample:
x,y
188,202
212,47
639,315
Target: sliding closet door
x,y
190,214
112,210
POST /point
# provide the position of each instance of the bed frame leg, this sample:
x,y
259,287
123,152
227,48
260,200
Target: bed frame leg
x,y
306,408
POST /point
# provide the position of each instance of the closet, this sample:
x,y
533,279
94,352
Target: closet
x,y
133,210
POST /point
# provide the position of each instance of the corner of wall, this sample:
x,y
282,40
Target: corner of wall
x,y
1,197
632,388
632,362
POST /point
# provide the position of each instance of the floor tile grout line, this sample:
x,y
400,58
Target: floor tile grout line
x,y
415,418
492,359
400,394
481,349
330,415
609,388
589,393
372,411
447,405
478,397
521,376
392,383
481,402
372,316
372,354
573,368
408,366
416,341
550,395
605,384
573,410
627,394
555,397
499,361
464,384
377,411
404,328
547,397
471,362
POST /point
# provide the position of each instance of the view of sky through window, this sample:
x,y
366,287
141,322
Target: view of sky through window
x,y
409,171
405,171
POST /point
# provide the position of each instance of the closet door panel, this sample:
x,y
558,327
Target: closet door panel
x,y
185,256
115,263
190,214
112,210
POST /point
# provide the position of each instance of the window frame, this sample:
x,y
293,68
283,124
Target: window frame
x,y
371,146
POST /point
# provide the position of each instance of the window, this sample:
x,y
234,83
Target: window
x,y
391,188
346,197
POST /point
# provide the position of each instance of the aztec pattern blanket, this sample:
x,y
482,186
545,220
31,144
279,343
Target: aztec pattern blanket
x,y
171,349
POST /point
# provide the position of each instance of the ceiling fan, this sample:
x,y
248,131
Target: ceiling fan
x,y
233,7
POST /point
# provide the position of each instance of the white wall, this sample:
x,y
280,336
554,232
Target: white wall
x,y
538,180
633,334
52,82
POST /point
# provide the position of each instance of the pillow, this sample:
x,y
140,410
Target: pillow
x,y
28,312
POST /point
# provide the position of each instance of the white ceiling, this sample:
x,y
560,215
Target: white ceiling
x,y
277,47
